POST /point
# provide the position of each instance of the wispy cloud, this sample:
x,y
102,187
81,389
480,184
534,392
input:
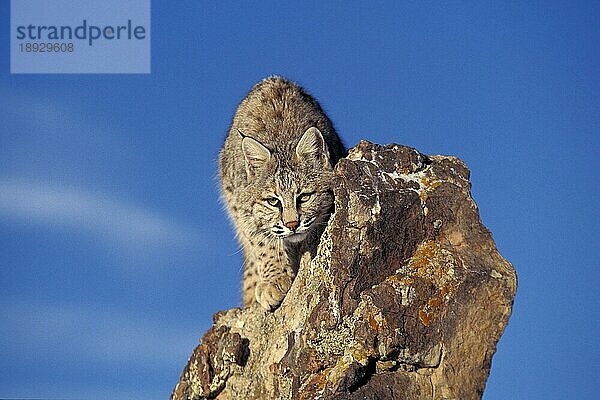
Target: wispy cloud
x,y
73,336
128,228
83,333
48,141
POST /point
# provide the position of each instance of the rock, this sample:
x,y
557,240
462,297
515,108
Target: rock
x,y
405,299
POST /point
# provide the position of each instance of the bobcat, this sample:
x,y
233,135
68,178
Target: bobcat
x,y
276,170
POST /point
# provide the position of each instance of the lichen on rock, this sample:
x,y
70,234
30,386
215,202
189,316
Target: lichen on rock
x,y
406,297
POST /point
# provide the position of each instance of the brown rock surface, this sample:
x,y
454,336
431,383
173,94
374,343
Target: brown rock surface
x,y
406,298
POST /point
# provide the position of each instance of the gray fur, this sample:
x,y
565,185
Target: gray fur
x,y
276,170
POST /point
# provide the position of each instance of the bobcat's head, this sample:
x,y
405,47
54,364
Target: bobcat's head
x,y
292,187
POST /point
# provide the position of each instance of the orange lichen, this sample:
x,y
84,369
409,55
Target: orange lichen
x,y
425,317
376,322
433,263
435,302
374,325
427,185
430,183
425,255
444,290
315,384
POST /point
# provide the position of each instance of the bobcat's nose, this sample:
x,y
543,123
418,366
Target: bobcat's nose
x,y
292,225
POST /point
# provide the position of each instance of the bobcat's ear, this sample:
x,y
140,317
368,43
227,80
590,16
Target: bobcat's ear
x,y
255,154
312,145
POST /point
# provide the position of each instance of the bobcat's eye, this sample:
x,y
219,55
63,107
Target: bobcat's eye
x,y
273,201
304,197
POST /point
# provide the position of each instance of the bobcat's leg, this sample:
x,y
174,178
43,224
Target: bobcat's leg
x,y
275,274
250,276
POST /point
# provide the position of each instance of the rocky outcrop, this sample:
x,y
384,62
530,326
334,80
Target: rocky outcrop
x,y
406,298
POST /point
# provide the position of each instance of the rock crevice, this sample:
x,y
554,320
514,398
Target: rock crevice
x,y
406,297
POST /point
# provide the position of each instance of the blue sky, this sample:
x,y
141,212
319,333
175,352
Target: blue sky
x,y
115,251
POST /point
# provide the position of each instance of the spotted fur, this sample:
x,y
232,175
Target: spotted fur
x,y
276,170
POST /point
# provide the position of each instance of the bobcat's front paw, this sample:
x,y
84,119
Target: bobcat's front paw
x,y
269,294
